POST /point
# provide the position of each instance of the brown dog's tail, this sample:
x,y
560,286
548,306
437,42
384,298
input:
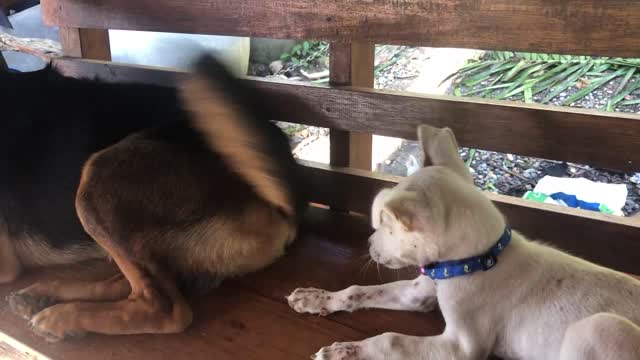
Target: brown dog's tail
x,y
234,120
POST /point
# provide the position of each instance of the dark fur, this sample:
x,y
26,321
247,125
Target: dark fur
x,y
166,177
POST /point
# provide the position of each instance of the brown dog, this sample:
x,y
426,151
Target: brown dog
x,y
170,184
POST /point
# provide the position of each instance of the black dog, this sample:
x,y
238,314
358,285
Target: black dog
x,y
169,183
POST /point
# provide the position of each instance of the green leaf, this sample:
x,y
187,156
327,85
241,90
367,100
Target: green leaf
x,y
528,84
570,81
524,77
499,86
610,106
630,102
528,96
519,66
488,88
306,46
624,82
630,88
484,75
591,88
469,68
552,76
472,154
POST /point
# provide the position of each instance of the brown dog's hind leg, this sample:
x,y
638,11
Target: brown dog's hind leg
x,y
35,298
154,305
116,212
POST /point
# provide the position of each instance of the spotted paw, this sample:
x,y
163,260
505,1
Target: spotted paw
x,y
26,305
339,351
56,323
312,301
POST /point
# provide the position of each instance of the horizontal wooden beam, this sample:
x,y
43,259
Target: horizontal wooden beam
x,y
609,140
604,239
593,27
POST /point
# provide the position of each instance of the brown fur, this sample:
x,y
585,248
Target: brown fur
x,y
10,266
235,139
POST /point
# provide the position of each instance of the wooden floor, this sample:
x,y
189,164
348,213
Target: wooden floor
x,y
248,318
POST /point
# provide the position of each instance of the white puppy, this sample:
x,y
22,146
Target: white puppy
x,y
506,296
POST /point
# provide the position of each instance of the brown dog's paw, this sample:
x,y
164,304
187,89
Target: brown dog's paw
x,y
56,323
26,305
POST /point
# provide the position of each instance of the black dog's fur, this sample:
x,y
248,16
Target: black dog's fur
x,y
134,162
52,124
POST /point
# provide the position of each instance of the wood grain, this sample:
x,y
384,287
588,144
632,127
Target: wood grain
x,y
351,64
85,43
248,318
592,27
608,140
604,239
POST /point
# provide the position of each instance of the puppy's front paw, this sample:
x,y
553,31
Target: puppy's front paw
x,y
339,351
310,300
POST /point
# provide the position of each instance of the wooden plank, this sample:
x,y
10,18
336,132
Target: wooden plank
x,y
604,239
240,319
8,352
564,26
608,140
85,43
351,64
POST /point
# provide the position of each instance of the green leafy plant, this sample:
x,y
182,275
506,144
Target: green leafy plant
x,y
304,53
502,75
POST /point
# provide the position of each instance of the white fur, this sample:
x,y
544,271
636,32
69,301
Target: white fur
x,y
536,303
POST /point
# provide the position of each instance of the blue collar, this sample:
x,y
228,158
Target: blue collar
x,y
453,268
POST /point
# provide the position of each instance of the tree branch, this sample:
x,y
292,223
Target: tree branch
x,y
42,48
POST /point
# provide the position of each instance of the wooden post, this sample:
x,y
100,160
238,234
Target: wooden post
x,y
3,64
351,64
85,43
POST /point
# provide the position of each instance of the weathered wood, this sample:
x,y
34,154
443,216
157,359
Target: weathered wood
x,y
7,3
564,26
351,64
43,48
609,140
85,43
605,239
248,318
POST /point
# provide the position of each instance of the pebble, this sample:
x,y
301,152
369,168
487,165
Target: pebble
x,y
276,66
530,173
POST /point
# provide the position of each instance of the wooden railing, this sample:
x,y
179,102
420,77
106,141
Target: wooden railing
x,y
353,111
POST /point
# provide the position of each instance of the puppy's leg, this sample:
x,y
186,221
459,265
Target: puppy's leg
x,y
410,295
37,297
391,346
10,266
601,336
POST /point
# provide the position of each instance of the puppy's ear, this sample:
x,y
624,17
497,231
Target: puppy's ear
x,y
441,148
378,206
406,208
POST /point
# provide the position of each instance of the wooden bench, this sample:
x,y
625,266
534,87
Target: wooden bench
x,y
248,318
